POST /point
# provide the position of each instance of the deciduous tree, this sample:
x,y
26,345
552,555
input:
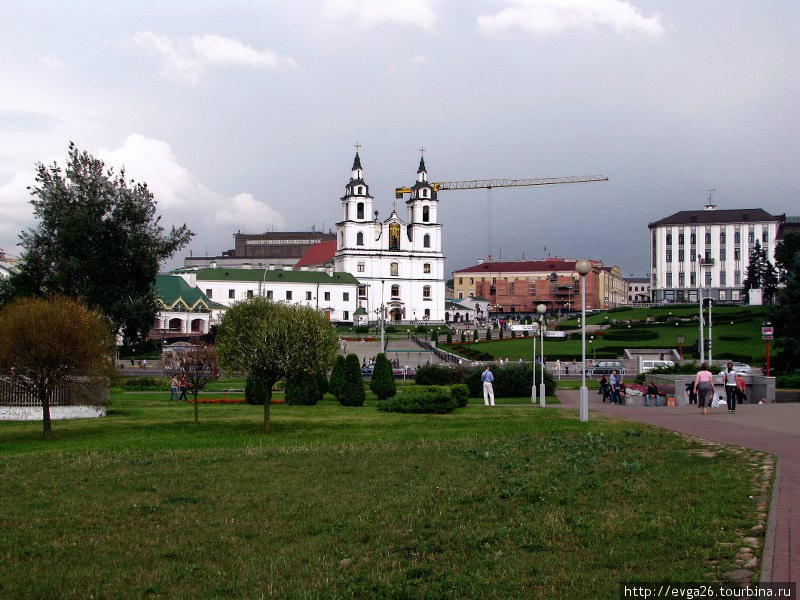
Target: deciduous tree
x,y
97,238
276,340
45,341
198,366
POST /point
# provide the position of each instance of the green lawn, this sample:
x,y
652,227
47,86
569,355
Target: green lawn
x,y
351,502
752,347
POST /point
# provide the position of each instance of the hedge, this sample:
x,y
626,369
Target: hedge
x,y
630,335
510,381
433,400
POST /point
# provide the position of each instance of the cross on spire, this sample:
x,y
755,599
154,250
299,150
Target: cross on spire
x,y
422,151
357,146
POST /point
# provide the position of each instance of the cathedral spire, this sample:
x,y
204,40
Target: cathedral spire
x,y
357,162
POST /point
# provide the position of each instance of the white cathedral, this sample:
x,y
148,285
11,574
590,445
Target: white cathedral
x,y
399,264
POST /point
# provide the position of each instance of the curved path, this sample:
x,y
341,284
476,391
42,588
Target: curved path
x,y
773,428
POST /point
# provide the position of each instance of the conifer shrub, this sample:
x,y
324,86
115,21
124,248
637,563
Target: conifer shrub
x,y
463,337
475,336
501,333
450,338
488,334
382,384
353,393
302,390
336,384
322,384
513,334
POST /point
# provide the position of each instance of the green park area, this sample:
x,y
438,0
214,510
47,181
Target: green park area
x,y
341,502
736,335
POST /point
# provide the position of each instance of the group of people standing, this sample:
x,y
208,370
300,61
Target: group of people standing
x,y
732,380
613,388
178,384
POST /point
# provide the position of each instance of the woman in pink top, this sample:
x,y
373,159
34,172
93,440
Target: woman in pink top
x,y
704,387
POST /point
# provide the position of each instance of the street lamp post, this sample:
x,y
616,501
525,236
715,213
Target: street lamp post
x,y
533,366
583,267
541,309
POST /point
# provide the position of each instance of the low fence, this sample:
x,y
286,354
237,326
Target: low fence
x,y
73,391
426,345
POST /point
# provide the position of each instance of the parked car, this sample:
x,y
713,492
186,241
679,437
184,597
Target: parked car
x,y
605,367
396,371
649,365
740,367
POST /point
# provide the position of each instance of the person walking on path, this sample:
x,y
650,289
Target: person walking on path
x,y
731,390
704,387
488,392
173,388
184,387
741,387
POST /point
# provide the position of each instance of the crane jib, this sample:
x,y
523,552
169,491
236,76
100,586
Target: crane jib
x,y
474,184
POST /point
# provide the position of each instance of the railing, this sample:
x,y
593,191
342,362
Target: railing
x,y
74,391
445,356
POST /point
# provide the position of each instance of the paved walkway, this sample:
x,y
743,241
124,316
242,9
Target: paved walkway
x,y
773,428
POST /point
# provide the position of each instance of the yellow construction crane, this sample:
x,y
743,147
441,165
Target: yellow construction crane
x,y
490,184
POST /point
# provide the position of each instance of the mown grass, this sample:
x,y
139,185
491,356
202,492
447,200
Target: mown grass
x,y
350,502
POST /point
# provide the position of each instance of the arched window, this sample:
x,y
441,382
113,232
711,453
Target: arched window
x,y
426,241
426,267
360,210
427,314
394,269
426,214
395,291
360,239
360,190
426,292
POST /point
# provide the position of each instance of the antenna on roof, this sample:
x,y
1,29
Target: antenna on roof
x,y
710,202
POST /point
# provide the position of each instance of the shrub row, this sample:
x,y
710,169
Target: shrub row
x,y
430,400
631,335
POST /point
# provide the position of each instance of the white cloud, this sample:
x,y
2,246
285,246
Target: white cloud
x,y
181,196
187,58
549,17
367,13
16,212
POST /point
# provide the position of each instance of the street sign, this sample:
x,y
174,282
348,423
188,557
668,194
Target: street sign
x,y
680,339
767,333
522,328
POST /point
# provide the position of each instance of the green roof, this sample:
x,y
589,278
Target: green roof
x,y
275,276
173,290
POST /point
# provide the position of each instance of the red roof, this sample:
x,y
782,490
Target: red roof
x,y
524,266
318,254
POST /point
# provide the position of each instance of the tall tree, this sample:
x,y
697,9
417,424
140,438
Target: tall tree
x,y
755,269
786,315
43,342
98,238
276,340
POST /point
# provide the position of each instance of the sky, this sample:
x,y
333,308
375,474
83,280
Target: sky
x,y
244,115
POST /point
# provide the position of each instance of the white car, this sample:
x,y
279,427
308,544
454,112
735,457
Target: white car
x,y
741,368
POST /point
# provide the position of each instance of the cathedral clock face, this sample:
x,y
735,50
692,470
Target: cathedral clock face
x,y
394,236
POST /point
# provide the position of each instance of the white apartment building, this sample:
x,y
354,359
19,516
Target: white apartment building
x,y
708,248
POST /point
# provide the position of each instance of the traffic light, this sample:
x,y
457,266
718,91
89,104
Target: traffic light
x,y
707,344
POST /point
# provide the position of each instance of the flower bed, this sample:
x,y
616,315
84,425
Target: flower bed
x,y
229,401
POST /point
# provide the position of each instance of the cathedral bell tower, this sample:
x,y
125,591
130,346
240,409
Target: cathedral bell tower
x,y
356,210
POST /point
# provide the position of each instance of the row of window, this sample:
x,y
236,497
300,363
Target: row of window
x,y
270,295
670,296
723,279
394,268
723,255
426,239
751,237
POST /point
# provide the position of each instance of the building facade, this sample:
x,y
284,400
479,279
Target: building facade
x,y
708,249
398,263
518,287
639,290
262,250
332,293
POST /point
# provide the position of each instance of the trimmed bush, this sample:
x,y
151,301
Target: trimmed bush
x,y
361,329
382,384
460,394
488,334
336,385
475,336
390,329
353,393
145,384
438,375
302,390
450,338
734,338
256,388
463,337
434,400
435,336
630,335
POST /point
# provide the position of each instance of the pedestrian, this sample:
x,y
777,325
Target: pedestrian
x,y
558,367
574,366
704,387
604,391
741,388
613,384
623,392
731,389
519,360
652,393
173,387
488,392
144,363
690,393
183,384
